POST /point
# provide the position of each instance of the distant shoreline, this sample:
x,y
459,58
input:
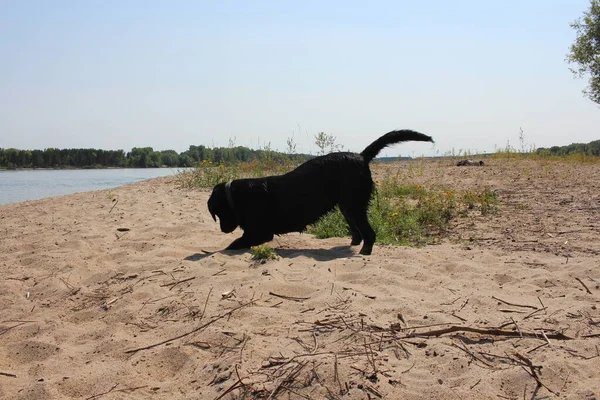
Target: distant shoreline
x,y
82,168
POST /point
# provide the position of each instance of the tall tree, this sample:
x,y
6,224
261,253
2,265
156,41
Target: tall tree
x,y
586,50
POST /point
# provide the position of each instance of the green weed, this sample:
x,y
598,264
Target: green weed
x,y
263,252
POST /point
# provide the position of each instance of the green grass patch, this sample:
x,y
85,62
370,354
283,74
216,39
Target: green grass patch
x,y
410,215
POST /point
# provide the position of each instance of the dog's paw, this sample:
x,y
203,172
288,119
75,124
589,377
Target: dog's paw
x,y
366,251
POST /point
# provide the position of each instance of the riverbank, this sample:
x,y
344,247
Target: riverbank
x,y
125,291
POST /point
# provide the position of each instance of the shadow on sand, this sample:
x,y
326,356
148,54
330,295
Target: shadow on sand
x,y
316,254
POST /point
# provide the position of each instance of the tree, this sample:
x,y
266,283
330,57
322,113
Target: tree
x,y
170,158
139,157
155,159
185,160
586,50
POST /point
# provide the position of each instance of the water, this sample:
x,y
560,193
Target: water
x,y
17,186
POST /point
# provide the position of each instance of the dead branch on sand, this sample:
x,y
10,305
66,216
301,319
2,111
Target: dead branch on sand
x,y
201,327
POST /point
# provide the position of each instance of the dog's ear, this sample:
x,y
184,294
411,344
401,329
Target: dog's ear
x,y
211,209
211,206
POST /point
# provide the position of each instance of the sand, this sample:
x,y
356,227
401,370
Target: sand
x,y
124,293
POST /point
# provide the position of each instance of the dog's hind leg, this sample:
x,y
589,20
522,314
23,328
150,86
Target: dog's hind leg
x,y
356,236
354,202
356,215
366,232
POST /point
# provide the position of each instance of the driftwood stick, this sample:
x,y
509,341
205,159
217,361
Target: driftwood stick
x,y
591,335
201,327
289,297
546,337
532,371
206,303
314,350
102,394
534,312
289,378
583,284
369,355
537,347
513,304
129,389
518,329
114,205
466,350
173,284
490,331
238,384
540,300
3,331
336,376
371,389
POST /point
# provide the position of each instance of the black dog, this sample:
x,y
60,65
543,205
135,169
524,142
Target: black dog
x,y
273,205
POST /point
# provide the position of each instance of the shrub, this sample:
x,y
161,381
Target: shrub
x,y
263,252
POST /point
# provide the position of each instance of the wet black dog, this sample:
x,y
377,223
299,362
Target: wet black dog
x,y
274,205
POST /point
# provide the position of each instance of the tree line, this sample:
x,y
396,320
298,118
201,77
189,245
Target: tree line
x,y
147,157
138,157
589,149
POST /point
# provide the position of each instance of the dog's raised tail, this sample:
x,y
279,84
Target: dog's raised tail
x,y
404,135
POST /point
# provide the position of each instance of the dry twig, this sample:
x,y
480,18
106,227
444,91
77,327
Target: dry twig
x,y
201,327
112,390
532,371
289,297
513,304
3,331
490,331
584,285
114,205
173,284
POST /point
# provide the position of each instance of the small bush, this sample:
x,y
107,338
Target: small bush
x,y
332,224
263,252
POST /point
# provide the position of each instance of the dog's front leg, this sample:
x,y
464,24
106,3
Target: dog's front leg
x,y
248,240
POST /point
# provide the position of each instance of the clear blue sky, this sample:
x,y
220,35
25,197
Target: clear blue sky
x,y
168,74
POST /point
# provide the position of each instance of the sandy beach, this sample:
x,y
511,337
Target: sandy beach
x,y
126,294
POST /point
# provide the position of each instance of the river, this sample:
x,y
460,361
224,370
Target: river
x,y
22,185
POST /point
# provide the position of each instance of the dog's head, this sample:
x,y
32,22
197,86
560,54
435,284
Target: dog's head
x,y
218,206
